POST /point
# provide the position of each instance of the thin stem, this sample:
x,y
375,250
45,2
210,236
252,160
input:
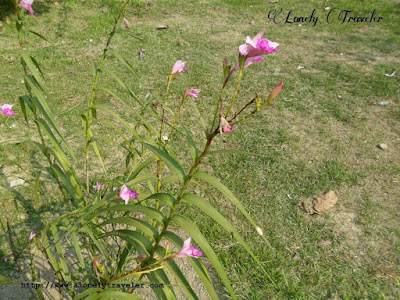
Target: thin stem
x,y
91,100
159,163
253,112
175,120
244,107
236,90
180,196
219,104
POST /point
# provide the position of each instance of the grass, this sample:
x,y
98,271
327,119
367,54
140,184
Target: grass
x,y
309,141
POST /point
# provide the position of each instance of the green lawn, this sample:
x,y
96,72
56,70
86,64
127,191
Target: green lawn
x,y
321,133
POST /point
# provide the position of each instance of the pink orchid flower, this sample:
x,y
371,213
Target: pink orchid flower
x,y
255,47
27,4
99,186
178,67
189,250
224,125
5,109
260,46
126,194
194,93
32,235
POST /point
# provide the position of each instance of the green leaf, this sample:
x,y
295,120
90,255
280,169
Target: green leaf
x,y
122,61
207,208
193,149
141,179
112,294
172,164
141,243
94,70
138,224
125,87
33,68
38,34
78,250
37,66
165,199
148,211
226,192
92,141
159,276
60,252
50,256
23,101
129,106
41,103
4,279
56,172
167,180
62,158
137,169
190,228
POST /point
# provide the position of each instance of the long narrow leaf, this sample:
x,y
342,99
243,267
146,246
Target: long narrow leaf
x,y
207,208
169,161
226,192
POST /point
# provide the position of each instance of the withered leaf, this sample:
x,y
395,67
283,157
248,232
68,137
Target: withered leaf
x,y
325,202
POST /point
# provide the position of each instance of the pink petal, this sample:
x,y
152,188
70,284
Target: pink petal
x,y
133,194
32,235
243,50
178,67
124,194
194,93
9,112
258,36
251,60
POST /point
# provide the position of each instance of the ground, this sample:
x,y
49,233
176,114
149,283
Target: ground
x,y
321,133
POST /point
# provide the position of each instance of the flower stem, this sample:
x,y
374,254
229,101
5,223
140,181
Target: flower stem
x,y
236,90
159,163
91,100
180,196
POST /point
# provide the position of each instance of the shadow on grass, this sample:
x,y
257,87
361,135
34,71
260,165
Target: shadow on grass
x,y
7,8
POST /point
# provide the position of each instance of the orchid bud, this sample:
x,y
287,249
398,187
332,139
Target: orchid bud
x,y
126,23
167,246
96,262
275,92
226,68
142,256
32,235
